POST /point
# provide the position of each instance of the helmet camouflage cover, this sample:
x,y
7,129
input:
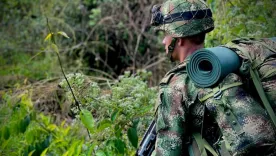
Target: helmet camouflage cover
x,y
182,18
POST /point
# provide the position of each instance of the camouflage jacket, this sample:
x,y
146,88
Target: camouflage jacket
x,y
242,122
176,94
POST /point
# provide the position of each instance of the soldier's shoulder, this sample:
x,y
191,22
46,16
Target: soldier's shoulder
x,y
178,73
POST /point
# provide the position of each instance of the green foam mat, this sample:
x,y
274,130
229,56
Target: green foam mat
x,y
208,66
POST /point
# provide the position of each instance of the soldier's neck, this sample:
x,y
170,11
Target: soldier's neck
x,y
189,50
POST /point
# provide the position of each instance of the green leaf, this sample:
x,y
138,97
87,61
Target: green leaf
x,y
44,152
114,115
63,34
100,153
87,119
132,136
91,148
78,149
118,131
30,136
104,124
72,148
65,154
51,127
135,123
31,153
55,48
24,123
6,133
120,146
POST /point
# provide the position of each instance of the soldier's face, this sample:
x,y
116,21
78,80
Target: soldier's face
x,y
166,42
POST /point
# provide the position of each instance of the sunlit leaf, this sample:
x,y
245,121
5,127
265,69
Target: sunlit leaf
x,y
72,148
63,34
78,148
31,153
65,154
44,152
87,119
51,127
48,36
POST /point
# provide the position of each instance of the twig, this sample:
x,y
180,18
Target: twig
x,y
59,60
155,63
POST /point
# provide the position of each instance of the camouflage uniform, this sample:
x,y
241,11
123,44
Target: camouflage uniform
x,y
176,103
241,119
235,119
175,95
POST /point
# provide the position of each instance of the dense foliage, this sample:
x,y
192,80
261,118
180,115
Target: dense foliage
x,y
109,123
239,19
109,50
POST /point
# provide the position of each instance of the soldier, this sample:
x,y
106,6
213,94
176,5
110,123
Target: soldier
x,y
181,120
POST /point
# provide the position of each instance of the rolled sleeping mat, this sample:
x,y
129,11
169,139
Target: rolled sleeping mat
x,y
208,66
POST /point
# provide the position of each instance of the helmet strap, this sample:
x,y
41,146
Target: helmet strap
x,y
171,49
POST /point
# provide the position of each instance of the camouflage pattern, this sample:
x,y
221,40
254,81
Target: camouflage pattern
x,y
242,122
175,89
262,54
186,27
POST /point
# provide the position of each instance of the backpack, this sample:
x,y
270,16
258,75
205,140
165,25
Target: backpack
x,y
246,125
259,65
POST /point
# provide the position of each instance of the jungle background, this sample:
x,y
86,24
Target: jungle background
x,y
113,61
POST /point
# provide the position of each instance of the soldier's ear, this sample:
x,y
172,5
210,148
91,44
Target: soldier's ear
x,y
181,42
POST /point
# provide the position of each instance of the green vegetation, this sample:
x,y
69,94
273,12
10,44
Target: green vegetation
x,y
113,61
114,119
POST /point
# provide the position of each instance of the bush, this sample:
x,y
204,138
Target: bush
x,y
115,118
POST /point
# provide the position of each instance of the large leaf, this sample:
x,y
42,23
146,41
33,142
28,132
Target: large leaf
x,y
25,123
87,119
132,136
120,146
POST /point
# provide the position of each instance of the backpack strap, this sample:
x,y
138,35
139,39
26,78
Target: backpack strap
x,y
260,90
217,91
203,145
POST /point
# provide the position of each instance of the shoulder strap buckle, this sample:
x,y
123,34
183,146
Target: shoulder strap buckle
x,y
217,93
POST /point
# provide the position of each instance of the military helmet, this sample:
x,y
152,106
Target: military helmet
x,y
182,18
